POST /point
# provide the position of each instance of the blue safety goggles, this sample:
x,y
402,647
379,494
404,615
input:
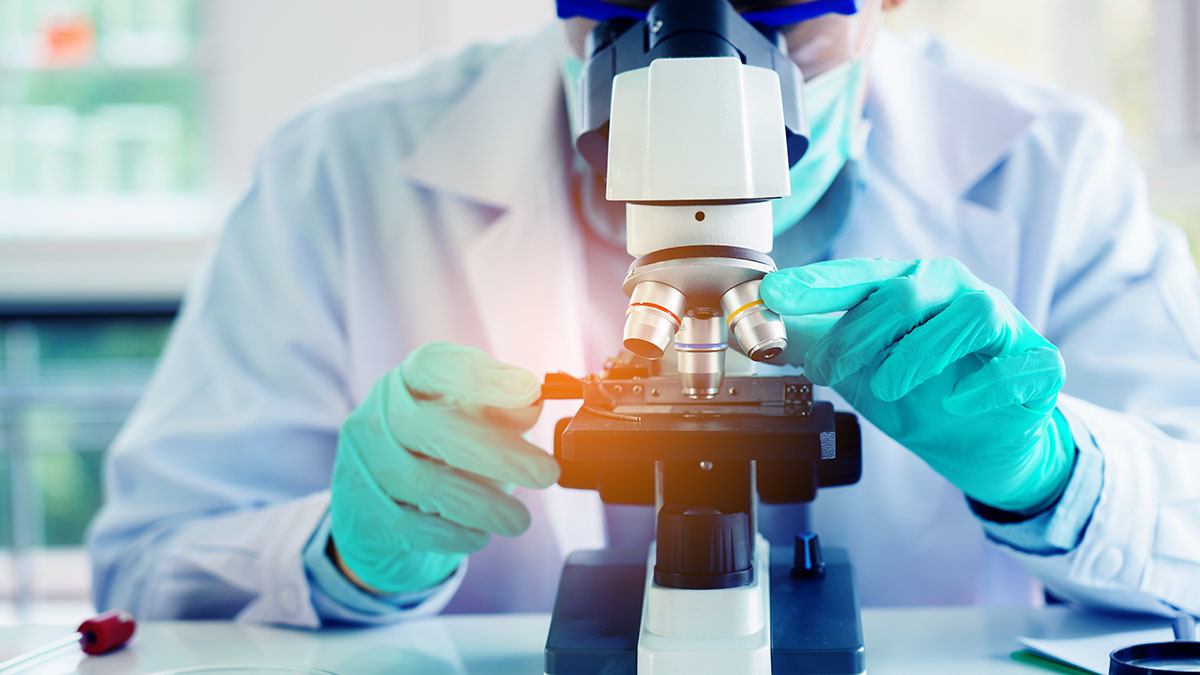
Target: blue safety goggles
x,y
784,15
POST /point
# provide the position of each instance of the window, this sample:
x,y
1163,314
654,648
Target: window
x,y
104,134
1140,59
104,138
67,383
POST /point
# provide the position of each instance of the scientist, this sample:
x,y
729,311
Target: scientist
x,y
969,262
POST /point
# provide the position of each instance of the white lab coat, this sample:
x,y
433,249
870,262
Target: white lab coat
x,y
433,205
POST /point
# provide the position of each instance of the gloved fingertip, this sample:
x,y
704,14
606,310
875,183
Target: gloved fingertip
x,y
517,522
553,473
544,473
460,375
517,419
505,386
474,541
780,290
816,370
884,388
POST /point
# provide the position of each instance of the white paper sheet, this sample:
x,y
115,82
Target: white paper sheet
x,y
1091,653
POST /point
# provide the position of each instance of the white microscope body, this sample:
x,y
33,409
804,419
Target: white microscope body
x,y
695,117
696,150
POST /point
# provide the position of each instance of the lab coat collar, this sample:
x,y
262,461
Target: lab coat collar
x,y
940,152
505,123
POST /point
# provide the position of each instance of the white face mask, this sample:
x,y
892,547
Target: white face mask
x,y
572,71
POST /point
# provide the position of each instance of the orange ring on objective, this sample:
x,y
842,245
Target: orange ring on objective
x,y
660,308
732,317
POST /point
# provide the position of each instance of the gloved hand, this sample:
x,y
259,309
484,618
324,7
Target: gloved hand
x,y
425,467
939,361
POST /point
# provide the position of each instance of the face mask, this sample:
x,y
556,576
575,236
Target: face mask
x,y
572,72
836,135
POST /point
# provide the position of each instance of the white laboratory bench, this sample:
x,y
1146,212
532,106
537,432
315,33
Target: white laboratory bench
x,y
926,640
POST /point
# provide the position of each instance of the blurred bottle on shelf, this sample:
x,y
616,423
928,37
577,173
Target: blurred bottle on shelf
x,y
77,33
134,148
145,33
45,150
68,41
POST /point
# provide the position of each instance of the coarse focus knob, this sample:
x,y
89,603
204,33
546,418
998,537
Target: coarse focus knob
x,y
702,548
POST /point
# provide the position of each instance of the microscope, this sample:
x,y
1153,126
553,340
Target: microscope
x,y
695,115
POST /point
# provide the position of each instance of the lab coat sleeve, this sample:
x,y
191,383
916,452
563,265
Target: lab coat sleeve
x,y
218,480
337,600
1060,526
1126,315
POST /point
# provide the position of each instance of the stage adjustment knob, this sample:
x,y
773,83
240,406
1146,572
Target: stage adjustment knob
x,y
703,548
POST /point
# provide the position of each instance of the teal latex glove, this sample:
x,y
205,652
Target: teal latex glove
x,y
939,361
425,466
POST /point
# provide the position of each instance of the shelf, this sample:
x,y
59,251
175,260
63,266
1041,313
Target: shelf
x,y
102,68
103,248
106,216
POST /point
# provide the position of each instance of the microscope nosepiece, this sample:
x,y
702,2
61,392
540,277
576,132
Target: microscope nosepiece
x,y
758,331
653,318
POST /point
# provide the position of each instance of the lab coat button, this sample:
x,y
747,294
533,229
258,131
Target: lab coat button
x,y
1108,563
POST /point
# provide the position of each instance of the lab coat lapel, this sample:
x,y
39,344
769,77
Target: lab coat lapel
x,y
503,144
506,144
479,148
525,274
939,153
923,162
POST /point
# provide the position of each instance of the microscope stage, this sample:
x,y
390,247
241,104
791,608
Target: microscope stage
x,y
593,436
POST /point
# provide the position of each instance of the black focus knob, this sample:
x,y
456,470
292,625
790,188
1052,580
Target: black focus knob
x,y
703,548
806,557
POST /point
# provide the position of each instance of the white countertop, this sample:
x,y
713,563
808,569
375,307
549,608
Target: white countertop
x,y
931,641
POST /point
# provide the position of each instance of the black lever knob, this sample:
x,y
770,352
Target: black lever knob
x,y
806,558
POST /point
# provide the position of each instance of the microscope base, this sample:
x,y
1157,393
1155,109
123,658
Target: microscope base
x,y
815,624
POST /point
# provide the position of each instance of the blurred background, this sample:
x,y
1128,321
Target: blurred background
x,y
127,128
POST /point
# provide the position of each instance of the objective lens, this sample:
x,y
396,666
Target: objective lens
x,y
652,319
758,331
700,348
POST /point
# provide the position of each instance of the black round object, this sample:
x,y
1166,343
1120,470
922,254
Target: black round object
x,y
1155,658
702,548
688,29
